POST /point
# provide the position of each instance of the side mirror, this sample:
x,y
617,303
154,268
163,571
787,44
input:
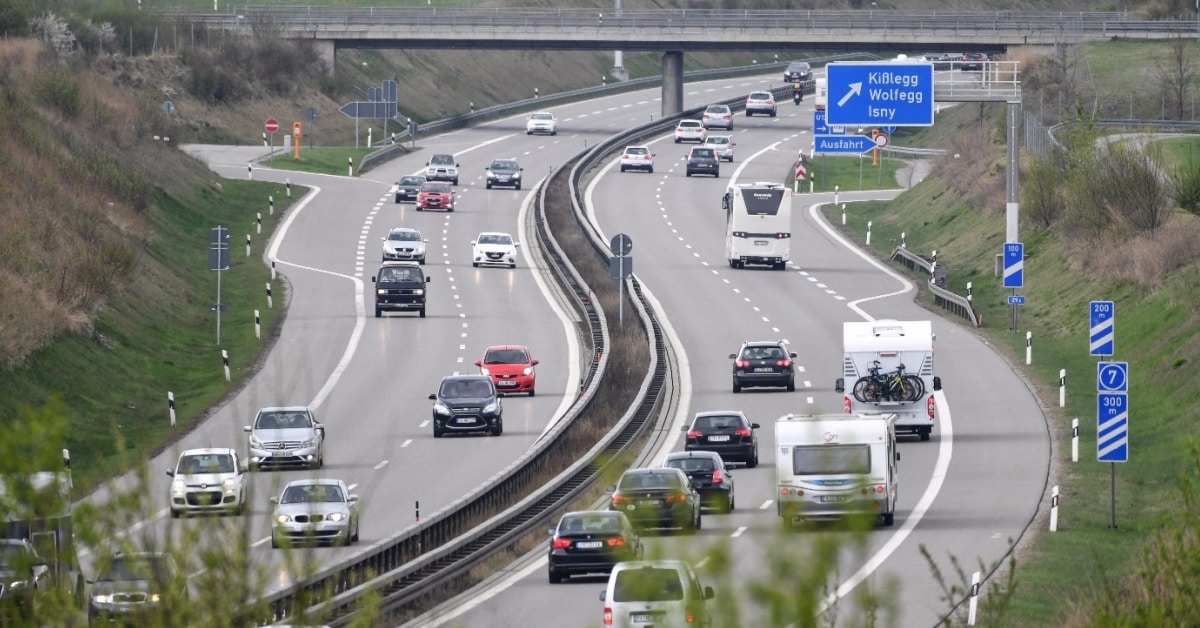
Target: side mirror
x,y
709,593
433,396
732,356
533,362
247,428
425,240
792,354
553,531
897,454
472,243
170,473
274,500
516,244
937,383
372,278
683,428
612,488
521,169
478,362
243,469
754,426
839,385
352,498
602,594
427,279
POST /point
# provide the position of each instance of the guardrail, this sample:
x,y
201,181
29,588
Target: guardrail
x,y
1127,123
947,299
541,102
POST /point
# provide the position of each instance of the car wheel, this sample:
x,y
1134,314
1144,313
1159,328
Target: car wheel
x,y
475,264
378,312
274,541
530,392
731,502
421,261
518,187
529,133
422,312
696,528
449,209
791,386
456,182
437,431
554,133
489,185
925,433
677,140
175,514
241,508
753,461
689,173
555,577
889,518
498,428
622,168
397,198
650,170
717,174
419,208
737,388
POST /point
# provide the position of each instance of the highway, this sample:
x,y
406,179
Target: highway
x,y
967,494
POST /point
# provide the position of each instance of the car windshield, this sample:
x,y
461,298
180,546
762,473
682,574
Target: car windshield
x,y
137,568
459,389
396,275
636,150
763,353
495,238
13,555
504,165
717,109
312,493
407,236
285,420
635,481
590,522
717,422
206,463
412,180
542,116
647,584
718,139
702,153
436,188
760,96
506,356
689,123
798,67
691,465
441,160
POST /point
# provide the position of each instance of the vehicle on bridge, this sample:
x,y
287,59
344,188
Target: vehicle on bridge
x,y
898,347
758,224
832,465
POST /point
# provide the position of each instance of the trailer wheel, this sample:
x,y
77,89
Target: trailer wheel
x,y
924,432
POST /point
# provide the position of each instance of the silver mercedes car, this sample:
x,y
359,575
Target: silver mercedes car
x,y
286,436
315,511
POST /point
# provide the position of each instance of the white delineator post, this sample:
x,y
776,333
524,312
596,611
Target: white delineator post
x,y
225,361
868,233
1054,509
1075,440
269,302
1062,388
973,604
1028,348
171,406
257,325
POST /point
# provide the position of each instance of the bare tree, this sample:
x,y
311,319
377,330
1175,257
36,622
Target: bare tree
x,y
1175,74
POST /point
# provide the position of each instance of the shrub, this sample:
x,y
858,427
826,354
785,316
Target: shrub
x,y
57,89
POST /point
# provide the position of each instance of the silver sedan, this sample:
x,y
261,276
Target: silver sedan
x,y
315,511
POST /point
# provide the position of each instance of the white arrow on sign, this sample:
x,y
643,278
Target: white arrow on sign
x,y
855,89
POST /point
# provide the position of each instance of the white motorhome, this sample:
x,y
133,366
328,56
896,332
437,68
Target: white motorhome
x,y
758,224
833,465
821,93
877,348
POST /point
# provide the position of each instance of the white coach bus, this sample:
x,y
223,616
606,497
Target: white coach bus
x,y
758,219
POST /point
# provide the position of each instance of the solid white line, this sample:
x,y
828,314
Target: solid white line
x,y
738,532
382,464
766,504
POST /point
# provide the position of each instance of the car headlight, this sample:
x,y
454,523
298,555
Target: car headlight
x,y
281,518
229,484
483,370
440,408
309,443
528,371
381,291
489,173
419,291
491,408
516,175
337,516
155,597
103,598
17,584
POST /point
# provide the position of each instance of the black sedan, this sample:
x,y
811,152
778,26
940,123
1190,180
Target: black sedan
x,y
709,475
657,498
727,433
591,542
407,188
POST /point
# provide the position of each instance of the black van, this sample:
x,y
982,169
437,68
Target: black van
x,y
400,286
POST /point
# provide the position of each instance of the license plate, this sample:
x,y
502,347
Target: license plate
x,y
589,544
761,242
508,383
650,502
641,618
282,454
464,420
835,498
763,369
720,438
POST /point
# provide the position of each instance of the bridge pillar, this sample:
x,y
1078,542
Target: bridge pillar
x,y
326,53
672,82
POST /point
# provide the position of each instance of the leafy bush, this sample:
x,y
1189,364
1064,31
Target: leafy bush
x,y
57,89
1186,188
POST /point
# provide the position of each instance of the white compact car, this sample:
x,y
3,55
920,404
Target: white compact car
x,y
493,248
286,436
655,593
761,103
541,122
718,116
637,158
208,480
722,144
690,131
315,511
404,244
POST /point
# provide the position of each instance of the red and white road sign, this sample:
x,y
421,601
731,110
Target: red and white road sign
x,y
801,171
271,126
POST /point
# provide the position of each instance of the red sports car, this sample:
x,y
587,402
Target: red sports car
x,y
435,195
511,368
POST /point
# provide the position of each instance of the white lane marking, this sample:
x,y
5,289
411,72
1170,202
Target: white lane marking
x,y
424,423
906,285
382,464
766,504
738,532
352,486
406,443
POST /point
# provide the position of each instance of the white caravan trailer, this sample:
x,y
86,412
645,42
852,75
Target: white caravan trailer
x,y
887,345
833,465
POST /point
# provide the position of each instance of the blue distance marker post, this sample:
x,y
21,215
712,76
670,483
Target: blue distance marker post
x,y
1112,390
1014,274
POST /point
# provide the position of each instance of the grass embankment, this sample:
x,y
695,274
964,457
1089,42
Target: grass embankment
x,y
338,160
1156,332
842,173
160,334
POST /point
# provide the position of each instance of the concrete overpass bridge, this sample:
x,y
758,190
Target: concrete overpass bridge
x,y
677,31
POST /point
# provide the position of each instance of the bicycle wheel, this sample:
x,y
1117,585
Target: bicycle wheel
x,y
860,389
918,385
905,391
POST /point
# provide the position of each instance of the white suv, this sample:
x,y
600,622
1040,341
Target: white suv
x,y
760,102
718,116
690,131
208,480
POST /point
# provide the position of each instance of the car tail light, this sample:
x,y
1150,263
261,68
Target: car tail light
x,y
694,434
560,543
718,477
646,157
676,498
742,431
742,363
616,542
618,499
691,618
607,616
786,362
931,407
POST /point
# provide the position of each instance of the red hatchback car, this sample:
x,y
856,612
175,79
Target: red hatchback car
x,y
511,368
435,195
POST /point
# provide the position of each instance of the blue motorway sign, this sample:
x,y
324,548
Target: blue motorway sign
x,y
1112,377
880,94
1014,265
1112,427
845,144
1016,299
819,125
1102,328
